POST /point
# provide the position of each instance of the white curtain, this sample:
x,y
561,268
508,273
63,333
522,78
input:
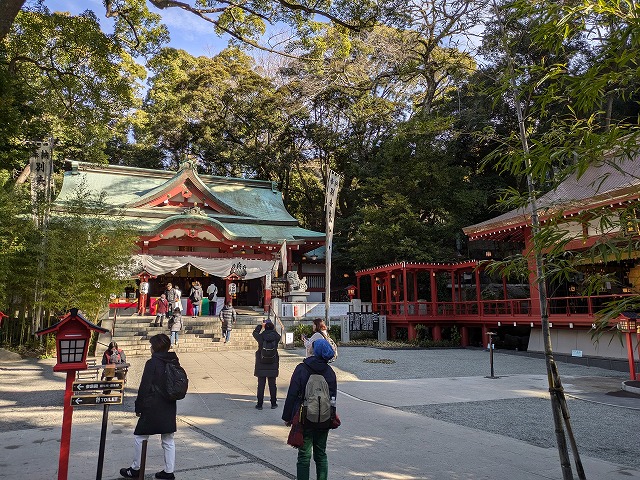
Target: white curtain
x,y
220,267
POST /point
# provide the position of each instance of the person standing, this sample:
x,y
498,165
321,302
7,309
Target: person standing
x,y
195,295
212,295
157,414
175,324
228,318
171,294
267,361
314,438
162,307
113,355
319,332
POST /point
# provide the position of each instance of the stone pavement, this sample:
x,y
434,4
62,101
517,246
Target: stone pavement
x,y
221,436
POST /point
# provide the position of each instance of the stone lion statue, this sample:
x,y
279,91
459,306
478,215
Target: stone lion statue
x,y
296,284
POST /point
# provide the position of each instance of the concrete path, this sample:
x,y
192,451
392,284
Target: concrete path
x,y
222,436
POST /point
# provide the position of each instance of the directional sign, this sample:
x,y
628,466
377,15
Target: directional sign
x,y
106,385
115,399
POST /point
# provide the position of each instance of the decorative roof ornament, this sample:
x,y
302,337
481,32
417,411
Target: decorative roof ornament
x,y
189,164
239,269
195,210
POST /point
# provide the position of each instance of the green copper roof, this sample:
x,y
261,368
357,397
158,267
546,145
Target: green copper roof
x,y
257,211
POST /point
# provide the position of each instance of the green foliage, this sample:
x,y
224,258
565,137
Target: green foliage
x,y
87,257
299,330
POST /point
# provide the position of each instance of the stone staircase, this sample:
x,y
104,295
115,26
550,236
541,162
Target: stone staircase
x,y
200,334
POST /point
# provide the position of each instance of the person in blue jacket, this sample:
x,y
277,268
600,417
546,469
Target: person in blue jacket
x,y
313,439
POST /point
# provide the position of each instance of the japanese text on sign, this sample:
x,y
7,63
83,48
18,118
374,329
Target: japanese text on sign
x,y
363,322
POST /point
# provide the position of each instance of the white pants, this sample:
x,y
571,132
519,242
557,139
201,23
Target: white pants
x,y
168,445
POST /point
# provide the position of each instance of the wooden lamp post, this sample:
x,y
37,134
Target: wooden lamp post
x,y
351,292
628,324
72,343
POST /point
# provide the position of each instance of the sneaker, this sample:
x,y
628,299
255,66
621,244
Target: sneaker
x,y
129,473
258,407
163,474
274,405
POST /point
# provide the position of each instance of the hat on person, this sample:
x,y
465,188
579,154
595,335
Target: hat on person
x,y
322,349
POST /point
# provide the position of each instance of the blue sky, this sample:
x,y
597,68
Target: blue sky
x,y
186,30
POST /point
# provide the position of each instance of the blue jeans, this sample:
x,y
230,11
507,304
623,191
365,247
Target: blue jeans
x,y
196,310
174,338
227,335
316,439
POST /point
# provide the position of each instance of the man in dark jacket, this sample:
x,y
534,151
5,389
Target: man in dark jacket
x,y
313,438
267,361
157,413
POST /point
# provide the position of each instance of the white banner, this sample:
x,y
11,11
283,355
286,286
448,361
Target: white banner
x,y
220,267
283,258
331,197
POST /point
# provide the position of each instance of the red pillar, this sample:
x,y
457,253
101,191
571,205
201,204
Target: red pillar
x,y
411,332
404,291
374,292
530,254
266,302
65,437
453,286
414,276
478,292
437,333
464,333
485,330
434,293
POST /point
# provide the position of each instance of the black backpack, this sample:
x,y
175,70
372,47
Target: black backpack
x,y
176,381
269,351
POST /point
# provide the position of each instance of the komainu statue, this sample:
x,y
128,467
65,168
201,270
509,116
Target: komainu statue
x,y
296,284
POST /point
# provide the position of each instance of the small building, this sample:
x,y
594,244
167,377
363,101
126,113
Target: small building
x,y
440,296
204,228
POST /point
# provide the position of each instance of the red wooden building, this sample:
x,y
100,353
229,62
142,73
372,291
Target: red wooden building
x,y
201,227
442,295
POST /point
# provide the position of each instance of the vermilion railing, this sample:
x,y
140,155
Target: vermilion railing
x,y
566,306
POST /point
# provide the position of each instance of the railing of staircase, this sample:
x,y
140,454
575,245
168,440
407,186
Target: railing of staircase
x,y
113,325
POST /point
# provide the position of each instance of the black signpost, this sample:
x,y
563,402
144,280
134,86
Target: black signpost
x,y
104,393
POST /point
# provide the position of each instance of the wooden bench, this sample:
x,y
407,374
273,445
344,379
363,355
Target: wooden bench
x,y
91,373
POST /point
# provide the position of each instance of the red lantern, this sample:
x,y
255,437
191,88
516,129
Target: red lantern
x,y
351,291
72,340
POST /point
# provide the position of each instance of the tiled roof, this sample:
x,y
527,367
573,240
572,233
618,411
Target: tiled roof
x,y
610,182
256,207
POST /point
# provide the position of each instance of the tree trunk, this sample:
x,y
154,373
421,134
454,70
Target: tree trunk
x,y
8,11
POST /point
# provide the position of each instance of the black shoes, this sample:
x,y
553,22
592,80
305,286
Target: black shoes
x,y
258,407
130,472
163,474
274,405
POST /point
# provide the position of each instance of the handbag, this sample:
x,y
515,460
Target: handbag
x,y
296,434
335,421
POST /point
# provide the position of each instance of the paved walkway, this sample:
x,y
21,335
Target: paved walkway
x,y
418,414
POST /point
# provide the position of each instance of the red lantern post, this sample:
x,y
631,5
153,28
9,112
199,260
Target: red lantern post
x,y
72,343
351,291
627,324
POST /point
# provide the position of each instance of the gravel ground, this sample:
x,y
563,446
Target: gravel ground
x,y
601,431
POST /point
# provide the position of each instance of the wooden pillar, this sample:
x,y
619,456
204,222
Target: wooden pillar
x,y
434,292
478,292
266,299
530,254
411,332
374,292
404,291
464,334
437,333
485,338
414,275
453,285
358,291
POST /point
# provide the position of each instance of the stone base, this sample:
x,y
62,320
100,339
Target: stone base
x,y
296,297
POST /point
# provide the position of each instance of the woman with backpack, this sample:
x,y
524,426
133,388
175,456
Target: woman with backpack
x,y
157,413
267,361
316,370
319,331
195,295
